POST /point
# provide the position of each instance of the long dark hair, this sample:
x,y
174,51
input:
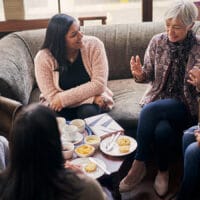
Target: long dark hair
x,y
55,36
36,168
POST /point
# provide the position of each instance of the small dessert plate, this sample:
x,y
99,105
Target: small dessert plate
x,y
78,137
84,161
115,151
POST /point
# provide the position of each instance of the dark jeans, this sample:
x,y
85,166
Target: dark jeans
x,y
160,124
80,112
191,179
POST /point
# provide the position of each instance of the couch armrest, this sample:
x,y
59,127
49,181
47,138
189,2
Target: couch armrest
x,y
8,110
17,69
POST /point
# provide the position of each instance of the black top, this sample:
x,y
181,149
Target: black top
x,y
73,74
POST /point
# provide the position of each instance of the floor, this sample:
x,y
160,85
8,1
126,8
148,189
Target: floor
x,y
145,191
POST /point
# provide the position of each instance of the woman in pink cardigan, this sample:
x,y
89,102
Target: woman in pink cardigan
x,y
72,70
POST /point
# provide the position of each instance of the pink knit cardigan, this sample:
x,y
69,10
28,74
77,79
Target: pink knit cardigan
x,y
96,64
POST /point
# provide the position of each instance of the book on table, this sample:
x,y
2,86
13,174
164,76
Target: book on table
x,y
103,125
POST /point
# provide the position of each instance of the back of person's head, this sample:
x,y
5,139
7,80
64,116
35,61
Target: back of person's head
x,y
58,27
35,141
184,10
36,168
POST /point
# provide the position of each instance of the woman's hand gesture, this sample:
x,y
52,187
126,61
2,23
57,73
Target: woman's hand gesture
x,y
136,66
194,77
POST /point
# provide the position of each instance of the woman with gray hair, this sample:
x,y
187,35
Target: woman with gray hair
x,y
170,104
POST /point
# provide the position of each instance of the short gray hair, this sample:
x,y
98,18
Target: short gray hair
x,y
184,10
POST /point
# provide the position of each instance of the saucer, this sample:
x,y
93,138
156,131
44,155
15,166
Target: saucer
x,y
78,137
84,161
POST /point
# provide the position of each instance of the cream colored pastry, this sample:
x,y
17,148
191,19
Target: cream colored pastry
x,y
124,149
90,167
123,141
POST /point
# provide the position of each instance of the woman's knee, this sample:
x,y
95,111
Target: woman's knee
x,y
148,110
192,153
188,138
163,131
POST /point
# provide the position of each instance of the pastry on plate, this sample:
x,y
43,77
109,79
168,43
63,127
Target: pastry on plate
x,y
123,141
124,149
90,167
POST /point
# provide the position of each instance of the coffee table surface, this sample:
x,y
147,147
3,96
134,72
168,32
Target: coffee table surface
x,y
112,163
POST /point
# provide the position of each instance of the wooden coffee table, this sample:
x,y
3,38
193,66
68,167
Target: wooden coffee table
x,y
117,165
113,163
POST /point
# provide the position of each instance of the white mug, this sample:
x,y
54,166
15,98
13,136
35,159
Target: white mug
x,y
61,123
79,123
67,150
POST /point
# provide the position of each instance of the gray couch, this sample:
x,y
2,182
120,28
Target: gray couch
x,y
17,51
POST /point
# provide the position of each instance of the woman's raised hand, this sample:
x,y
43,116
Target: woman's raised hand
x,y
136,66
194,77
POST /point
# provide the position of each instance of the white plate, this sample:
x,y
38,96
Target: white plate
x,y
115,150
84,161
78,138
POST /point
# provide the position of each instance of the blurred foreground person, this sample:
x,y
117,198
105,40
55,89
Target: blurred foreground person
x,y
36,167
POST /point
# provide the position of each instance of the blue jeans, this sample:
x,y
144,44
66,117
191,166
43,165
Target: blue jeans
x,y
160,123
80,112
191,178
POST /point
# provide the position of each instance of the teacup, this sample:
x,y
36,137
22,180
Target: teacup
x,y
67,150
61,123
69,132
80,124
93,140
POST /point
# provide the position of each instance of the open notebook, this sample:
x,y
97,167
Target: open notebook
x,y
103,125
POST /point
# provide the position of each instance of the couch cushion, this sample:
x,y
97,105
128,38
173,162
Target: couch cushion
x,y
35,95
127,94
122,41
